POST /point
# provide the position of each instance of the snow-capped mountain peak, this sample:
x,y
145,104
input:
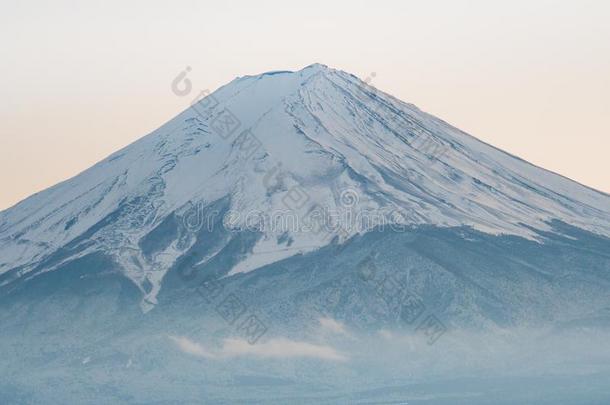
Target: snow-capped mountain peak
x,y
297,160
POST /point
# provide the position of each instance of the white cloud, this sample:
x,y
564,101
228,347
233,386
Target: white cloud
x,y
333,326
188,346
386,334
281,348
278,348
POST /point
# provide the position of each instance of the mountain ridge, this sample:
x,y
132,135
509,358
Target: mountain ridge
x,y
319,131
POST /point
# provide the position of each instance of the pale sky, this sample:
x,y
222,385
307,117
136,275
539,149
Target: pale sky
x,y
80,79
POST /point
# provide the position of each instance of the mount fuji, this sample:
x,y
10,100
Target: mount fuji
x,y
332,214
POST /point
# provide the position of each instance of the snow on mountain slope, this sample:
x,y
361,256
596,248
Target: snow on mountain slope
x,y
287,143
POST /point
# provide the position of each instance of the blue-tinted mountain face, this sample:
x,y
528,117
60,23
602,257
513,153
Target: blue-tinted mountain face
x,y
303,237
